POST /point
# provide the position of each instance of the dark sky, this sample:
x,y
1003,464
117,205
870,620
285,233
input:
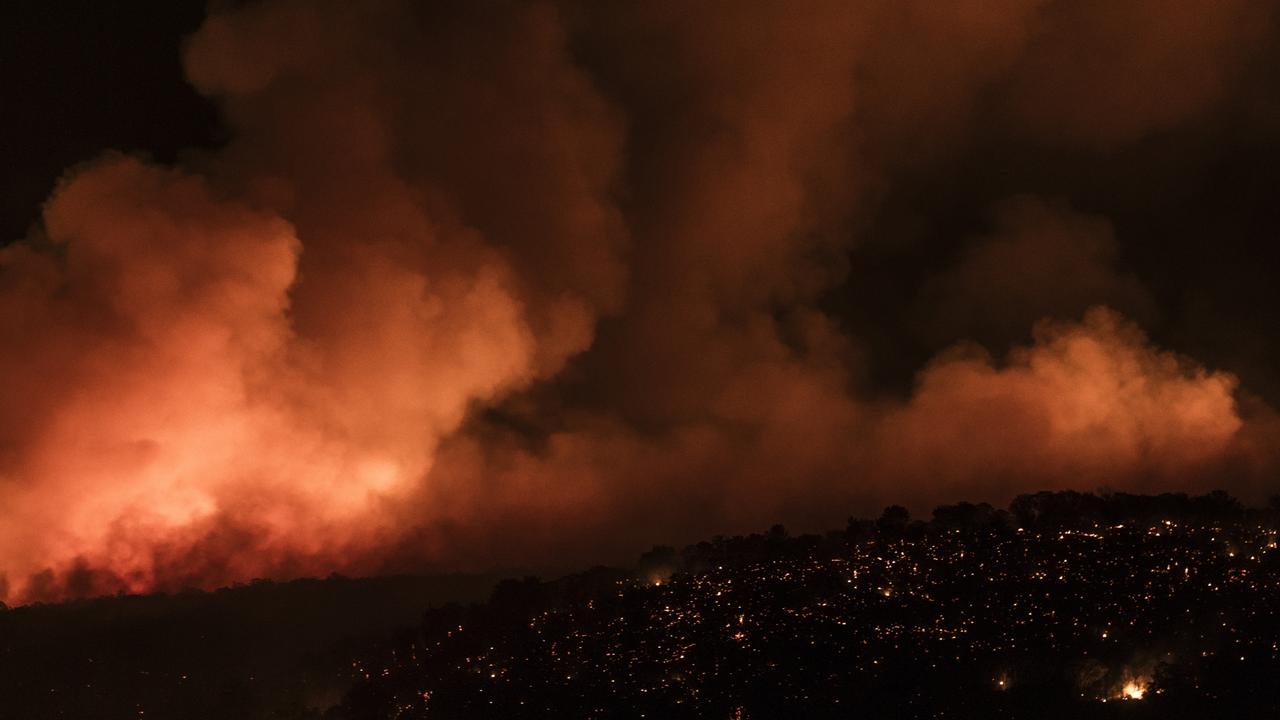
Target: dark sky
x,y
81,77
412,278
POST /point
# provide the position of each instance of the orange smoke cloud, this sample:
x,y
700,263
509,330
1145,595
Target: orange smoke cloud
x,y
1088,404
559,274
166,390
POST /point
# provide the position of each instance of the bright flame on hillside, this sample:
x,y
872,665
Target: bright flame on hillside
x,y
1134,689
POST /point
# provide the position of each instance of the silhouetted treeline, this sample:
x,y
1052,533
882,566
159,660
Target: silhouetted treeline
x,y
1040,511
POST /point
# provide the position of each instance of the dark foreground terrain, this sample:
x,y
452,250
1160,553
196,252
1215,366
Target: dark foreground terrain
x,y
263,650
1064,606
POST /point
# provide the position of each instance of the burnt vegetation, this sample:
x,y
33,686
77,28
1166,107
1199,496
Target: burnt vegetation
x,y
1064,605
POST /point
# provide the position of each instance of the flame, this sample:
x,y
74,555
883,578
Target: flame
x,y
1134,689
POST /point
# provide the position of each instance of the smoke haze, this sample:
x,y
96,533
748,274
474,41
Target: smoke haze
x,y
537,284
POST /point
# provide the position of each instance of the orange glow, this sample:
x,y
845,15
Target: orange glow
x,y
1134,689
410,318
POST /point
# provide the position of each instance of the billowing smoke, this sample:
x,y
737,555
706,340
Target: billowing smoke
x,y
1089,404
1042,260
533,284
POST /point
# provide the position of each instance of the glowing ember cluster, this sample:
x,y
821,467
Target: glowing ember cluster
x,y
1098,616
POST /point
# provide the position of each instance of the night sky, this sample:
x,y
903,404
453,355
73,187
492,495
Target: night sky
x,y
295,287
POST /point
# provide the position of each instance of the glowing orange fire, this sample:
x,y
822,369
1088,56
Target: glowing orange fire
x,y
1134,689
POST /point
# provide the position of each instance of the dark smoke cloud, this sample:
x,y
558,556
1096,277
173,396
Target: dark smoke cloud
x,y
1042,260
1103,73
535,283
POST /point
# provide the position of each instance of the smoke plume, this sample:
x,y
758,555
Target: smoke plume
x,y
533,284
